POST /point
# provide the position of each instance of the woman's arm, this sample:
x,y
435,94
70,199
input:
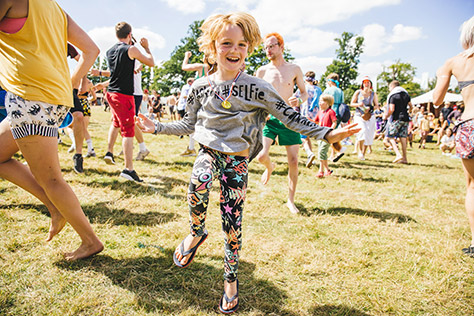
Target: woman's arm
x,y
443,76
90,51
354,99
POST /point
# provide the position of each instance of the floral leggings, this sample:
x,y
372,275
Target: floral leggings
x,y
232,172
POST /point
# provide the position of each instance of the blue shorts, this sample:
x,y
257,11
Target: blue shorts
x,y
3,111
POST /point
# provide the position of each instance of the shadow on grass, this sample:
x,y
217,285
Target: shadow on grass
x,y
158,185
159,286
365,179
382,216
187,165
333,310
101,213
40,208
439,166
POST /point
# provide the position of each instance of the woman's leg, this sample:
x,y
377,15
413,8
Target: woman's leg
x,y
41,153
19,174
468,166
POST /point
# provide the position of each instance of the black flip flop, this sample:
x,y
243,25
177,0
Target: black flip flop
x,y
469,251
229,300
191,251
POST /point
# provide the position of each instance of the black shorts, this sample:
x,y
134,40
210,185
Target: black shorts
x,y
78,107
138,102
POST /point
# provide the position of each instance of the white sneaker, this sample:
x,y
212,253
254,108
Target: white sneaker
x,y
91,153
310,160
142,154
188,153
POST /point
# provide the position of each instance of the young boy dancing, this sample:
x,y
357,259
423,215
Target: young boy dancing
x,y
226,111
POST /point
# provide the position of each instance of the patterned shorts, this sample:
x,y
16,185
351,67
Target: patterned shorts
x,y
28,118
86,108
397,129
465,139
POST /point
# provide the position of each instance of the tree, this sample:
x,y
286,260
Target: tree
x,y
431,84
346,63
404,73
146,77
170,76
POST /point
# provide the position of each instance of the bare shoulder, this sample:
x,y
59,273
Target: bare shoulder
x,y
261,71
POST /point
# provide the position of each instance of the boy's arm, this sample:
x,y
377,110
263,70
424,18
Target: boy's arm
x,y
275,105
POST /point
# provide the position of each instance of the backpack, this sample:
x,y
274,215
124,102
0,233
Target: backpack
x,y
344,112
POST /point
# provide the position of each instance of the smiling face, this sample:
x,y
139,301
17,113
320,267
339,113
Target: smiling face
x,y
231,51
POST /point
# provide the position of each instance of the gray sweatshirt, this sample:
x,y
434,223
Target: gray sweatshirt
x,y
240,127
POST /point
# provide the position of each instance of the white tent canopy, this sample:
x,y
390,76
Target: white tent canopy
x,y
428,98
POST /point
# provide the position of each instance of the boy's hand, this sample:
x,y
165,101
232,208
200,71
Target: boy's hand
x,y
341,133
144,123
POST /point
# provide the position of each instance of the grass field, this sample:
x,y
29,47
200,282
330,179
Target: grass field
x,y
375,238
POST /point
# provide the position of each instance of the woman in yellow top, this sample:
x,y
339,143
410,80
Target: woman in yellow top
x,y
35,74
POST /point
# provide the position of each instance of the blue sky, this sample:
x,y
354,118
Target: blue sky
x,y
421,32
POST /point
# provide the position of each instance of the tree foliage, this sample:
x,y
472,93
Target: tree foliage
x,y
169,76
346,63
404,73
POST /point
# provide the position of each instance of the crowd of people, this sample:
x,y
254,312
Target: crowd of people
x,y
232,116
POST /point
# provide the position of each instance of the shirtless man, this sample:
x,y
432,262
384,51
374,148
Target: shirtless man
x,y
171,102
283,76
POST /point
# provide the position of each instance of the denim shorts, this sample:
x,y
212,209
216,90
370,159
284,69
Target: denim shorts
x,y
28,118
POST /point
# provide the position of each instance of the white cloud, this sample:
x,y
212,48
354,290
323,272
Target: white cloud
x,y
187,6
377,41
105,38
272,15
316,64
307,41
403,33
371,69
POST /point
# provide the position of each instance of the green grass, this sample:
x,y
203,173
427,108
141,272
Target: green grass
x,y
374,239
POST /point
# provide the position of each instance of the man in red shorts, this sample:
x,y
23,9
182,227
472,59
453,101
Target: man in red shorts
x,y
121,59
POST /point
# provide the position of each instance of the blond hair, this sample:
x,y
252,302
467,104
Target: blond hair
x,y
213,26
467,37
329,99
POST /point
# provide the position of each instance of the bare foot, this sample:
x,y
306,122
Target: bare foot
x,y
84,251
189,242
57,224
230,290
266,174
292,207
